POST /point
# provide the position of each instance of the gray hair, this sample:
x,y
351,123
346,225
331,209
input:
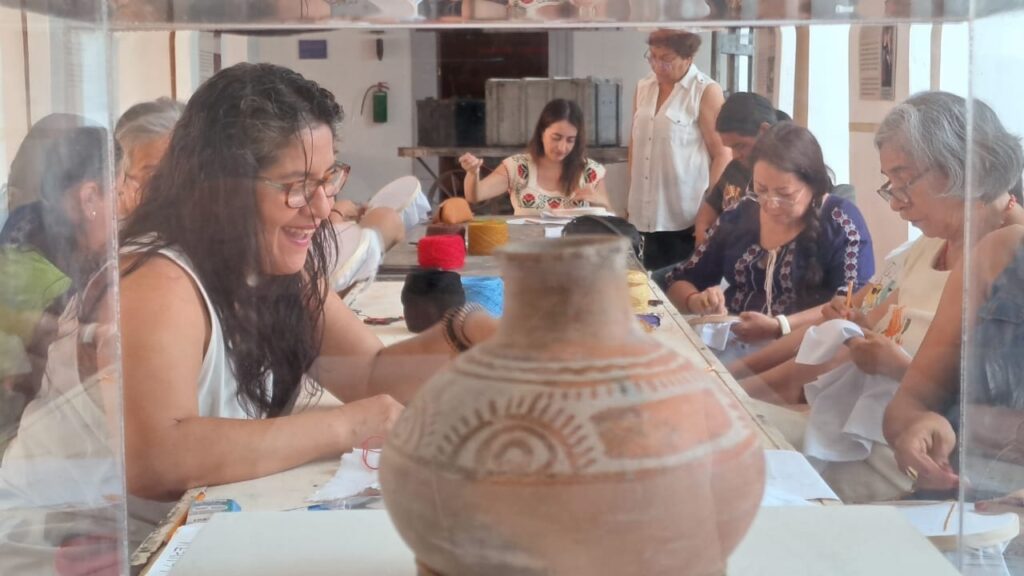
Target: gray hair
x,y
931,128
144,122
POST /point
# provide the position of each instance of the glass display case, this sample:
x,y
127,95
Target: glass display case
x,y
428,89
63,467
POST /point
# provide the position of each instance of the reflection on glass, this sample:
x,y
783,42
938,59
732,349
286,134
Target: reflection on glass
x,y
60,479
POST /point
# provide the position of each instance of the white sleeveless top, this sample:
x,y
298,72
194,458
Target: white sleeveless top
x,y
217,386
671,164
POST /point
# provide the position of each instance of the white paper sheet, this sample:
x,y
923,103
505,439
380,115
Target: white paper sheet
x,y
788,472
774,497
351,478
175,549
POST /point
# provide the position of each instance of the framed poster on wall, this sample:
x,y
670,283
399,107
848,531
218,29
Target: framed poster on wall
x,y
876,67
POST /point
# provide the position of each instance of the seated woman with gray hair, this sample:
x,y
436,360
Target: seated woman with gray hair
x,y
142,135
923,147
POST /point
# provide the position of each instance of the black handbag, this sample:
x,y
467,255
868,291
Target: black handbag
x,y
592,224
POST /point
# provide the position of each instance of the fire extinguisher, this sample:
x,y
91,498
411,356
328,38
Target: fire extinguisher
x,y
379,93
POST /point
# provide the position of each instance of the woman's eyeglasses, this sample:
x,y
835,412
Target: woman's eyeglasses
x,y
299,193
784,200
888,191
663,63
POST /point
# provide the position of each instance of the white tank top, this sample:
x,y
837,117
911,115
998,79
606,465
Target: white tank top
x,y
217,386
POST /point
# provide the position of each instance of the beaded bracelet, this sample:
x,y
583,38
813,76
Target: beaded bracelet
x,y
454,326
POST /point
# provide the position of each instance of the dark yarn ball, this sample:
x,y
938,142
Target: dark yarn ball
x,y
445,229
428,294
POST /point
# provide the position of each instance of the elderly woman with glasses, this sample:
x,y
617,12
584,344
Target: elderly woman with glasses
x,y
675,153
922,148
784,252
142,134
226,312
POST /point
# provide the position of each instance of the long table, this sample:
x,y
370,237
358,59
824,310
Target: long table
x,y
288,490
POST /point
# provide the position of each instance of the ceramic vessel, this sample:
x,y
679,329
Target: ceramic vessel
x,y
572,442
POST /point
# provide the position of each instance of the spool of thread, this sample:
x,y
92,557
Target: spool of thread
x,y
447,230
427,295
444,252
487,291
639,291
486,235
454,211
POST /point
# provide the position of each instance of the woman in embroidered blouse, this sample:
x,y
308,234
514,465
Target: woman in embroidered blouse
x,y
554,172
922,151
784,252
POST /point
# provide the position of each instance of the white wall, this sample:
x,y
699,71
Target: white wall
x,y
828,110
617,55
142,67
234,49
39,62
13,121
351,67
887,229
787,69
997,67
955,53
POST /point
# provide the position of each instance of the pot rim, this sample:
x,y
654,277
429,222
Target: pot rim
x,y
567,247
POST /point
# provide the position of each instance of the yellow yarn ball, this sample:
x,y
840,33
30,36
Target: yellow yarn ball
x,y
639,291
486,235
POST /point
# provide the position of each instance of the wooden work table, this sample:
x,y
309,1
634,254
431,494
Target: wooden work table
x,y
886,545
289,490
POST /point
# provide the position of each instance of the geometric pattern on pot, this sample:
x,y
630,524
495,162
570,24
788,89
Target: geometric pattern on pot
x,y
568,421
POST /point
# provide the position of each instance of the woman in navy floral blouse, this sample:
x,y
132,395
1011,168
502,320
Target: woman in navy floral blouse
x,y
783,252
553,173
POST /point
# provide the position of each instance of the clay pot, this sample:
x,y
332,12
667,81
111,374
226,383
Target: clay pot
x,y
572,443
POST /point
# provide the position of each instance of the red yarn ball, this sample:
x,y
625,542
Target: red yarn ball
x,y
447,252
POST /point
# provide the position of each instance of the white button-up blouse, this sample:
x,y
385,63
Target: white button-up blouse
x,y
670,163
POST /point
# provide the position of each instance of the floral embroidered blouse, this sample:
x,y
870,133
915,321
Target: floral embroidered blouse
x,y
733,251
527,195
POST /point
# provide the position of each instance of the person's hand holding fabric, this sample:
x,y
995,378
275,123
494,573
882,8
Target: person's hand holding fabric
x,y
876,354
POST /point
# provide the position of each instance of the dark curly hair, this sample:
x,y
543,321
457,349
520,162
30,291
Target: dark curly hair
x,y
573,165
793,149
684,44
202,200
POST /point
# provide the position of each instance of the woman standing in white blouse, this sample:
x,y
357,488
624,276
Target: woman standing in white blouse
x,y
674,152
